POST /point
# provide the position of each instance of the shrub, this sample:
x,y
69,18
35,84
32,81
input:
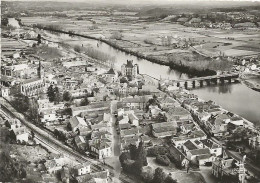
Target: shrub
x,y
163,160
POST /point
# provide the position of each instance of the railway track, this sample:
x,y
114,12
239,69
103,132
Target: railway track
x,y
47,139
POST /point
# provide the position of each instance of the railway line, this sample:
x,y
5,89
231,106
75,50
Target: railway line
x,y
47,139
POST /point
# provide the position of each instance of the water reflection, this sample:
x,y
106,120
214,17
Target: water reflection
x,y
234,97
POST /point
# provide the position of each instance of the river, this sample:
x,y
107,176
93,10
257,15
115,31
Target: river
x,y
236,98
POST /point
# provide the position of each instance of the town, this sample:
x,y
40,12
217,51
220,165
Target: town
x,y
69,114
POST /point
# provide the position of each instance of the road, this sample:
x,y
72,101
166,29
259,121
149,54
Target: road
x,y
48,139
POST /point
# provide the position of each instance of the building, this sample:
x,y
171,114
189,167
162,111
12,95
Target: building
x,y
111,76
193,154
77,123
102,149
228,170
20,134
82,169
33,86
165,129
254,142
129,69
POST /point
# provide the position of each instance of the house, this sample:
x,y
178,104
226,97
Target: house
x,y
80,142
99,106
102,149
204,158
123,119
77,123
129,132
111,76
195,134
254,142
13,123
48,115
165,129
5,92
124,126
186,128
133,119
138,102
177,113
213,147
94,177
154,111
52,166
20,134
217,125
237,120
193,154
189,146
127,140
167,102
82,169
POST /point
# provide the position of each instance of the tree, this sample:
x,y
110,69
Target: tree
x,y
142,155
67,96
169,179
57,95
84,101
39,39
33,109
159,176
116,35
163,160
21,102
51,93
133,152
77,48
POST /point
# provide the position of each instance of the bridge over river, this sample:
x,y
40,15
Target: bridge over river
x,y
222,78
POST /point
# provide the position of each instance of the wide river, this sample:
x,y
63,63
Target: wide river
x,y
236,98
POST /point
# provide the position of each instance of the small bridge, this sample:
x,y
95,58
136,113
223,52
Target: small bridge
x,y
221,78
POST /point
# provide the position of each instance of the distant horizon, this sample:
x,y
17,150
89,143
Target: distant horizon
x,y
136,1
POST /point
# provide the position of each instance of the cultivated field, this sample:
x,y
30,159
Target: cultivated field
x,y
148,38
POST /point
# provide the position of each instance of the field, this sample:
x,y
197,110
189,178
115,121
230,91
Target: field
x,y
148,38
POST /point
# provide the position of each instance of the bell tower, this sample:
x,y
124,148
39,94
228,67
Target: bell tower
x,y
40,70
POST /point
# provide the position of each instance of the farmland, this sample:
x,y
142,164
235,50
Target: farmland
x,y
157,40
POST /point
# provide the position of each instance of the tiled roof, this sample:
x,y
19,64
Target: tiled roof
x,y
189,145
200,151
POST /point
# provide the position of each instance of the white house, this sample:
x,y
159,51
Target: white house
x,y
48,116
21,134
82,169
102,149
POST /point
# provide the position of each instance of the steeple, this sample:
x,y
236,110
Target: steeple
x,y
40,71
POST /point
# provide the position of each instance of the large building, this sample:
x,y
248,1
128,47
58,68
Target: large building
x,y
129,69
33,86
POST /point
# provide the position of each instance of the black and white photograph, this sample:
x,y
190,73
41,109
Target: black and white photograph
x,y
130,91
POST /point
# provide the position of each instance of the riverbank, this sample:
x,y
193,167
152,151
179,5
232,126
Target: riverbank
x,y
252,81
172,65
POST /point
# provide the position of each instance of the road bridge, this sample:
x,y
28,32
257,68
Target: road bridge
x,y
201,81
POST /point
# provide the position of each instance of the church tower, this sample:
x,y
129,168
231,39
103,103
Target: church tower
x,y
40,70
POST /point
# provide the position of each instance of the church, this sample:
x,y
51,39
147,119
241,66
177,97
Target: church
x,y
33,86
